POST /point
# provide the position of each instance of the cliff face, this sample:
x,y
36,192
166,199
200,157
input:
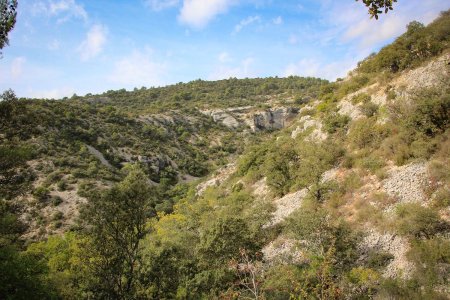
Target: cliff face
x,y
253,118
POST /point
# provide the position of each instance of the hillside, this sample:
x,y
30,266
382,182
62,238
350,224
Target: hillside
x,y
278,188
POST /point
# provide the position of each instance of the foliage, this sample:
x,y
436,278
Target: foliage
x,y
377,7
7,20
117,224
418,44
419,221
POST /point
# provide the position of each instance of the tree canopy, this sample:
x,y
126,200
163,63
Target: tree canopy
x,y
7,20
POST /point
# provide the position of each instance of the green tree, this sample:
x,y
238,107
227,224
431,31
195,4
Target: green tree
x,y
116,225
7,20
20,274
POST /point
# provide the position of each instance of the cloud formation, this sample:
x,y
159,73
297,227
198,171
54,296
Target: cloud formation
x,y
94,42
198,13
158,5
64,9
138,69
245,22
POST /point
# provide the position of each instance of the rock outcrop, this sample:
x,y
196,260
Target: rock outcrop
x,y
286,206
270,119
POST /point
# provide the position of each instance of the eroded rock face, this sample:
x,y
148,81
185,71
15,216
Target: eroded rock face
x,y
270,119
274,119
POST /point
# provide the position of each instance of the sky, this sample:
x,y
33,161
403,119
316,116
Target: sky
x,y
62,47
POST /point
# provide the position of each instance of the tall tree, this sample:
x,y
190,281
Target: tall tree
x,y
116,225
7,20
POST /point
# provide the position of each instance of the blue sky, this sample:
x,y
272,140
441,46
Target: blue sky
x,y
62,47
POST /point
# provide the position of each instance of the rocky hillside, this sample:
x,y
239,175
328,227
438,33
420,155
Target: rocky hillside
x,y
274,188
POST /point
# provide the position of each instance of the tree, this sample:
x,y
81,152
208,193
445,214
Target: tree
x,y
116,225
7,20
376,7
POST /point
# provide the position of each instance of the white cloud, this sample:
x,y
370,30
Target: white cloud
x,y
278,20
245,22
198,13
224,57
158,5
139,69
64,9
314,68
355,25
94,42
17,67
243,70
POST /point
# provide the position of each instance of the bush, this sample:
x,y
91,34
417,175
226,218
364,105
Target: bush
x,y
369,109
364,133
41,193
419,221
379,259
362,97
334,122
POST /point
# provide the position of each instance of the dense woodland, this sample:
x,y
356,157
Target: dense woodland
x,y
146,233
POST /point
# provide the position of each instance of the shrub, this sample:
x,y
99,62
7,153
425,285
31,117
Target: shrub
x,y
41,193
432,261
362,97
334,122
419,221
379,259
365,133
61,185
369,109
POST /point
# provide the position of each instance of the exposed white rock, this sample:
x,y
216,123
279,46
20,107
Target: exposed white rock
x,y
434,73
348,109
329,175
221,116
276,118
316,135
395,245
286,206
407,183
260,188
221,175
283,251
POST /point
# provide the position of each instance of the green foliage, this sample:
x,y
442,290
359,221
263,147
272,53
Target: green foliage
x,y
335,122
418,44
432,260
377,7
7,20
21,276
117,224
364,133
64,258
419,221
